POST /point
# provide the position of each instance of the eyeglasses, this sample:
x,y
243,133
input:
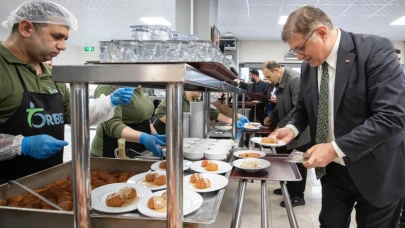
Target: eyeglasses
x,y
302,48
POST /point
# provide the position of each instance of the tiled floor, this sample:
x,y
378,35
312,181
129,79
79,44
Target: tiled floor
x,y
307,216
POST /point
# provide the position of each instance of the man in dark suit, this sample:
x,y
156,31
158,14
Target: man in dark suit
x,y
287,87
258,86
352,97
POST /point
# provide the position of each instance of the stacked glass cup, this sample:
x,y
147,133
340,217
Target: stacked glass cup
x,y
157,43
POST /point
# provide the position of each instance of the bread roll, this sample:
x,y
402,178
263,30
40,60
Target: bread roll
x,y
156,202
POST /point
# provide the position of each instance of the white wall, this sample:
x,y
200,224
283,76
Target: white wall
x,y
259,51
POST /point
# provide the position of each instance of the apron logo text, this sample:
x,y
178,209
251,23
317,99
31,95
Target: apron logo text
x,y
48,119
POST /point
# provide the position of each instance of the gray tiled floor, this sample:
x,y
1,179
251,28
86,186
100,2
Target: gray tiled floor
x,y
307,216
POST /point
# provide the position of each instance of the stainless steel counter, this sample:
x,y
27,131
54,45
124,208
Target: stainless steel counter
x,y
175,78
206,214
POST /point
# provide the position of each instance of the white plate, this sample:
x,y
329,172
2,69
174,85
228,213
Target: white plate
x,y
99,195
193,139
223,128
264,163
255,123
251,128
223,167
237,153
217,182
258,140
140,180
192,201
155,166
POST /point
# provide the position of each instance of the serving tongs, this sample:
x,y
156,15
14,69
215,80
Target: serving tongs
x,y
35,194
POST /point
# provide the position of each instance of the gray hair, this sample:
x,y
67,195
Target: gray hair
x,y
271,65
304,20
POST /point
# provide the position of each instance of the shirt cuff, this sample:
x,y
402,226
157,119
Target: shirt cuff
x,y
296,132
338,150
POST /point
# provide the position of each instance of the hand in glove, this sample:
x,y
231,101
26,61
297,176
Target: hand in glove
x,y
150,142
122,96
161,137
239,125
244,120
41,146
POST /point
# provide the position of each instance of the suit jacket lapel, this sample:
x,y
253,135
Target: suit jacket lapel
x,y
345,61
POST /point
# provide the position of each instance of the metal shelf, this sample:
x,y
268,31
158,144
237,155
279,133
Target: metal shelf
x,y
148,75
175,78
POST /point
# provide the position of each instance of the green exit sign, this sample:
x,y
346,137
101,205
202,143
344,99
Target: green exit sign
x,y
89,49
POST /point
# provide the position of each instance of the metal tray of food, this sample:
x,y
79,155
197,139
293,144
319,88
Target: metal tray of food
x,y
279,170
26,217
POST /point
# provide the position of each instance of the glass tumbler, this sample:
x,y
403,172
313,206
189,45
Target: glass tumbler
x,y
152,51
131,51
175,51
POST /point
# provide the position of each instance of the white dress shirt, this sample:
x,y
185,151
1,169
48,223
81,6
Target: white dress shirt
x,y
332,62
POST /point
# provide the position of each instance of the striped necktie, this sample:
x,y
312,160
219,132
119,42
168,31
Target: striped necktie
x,y
322,118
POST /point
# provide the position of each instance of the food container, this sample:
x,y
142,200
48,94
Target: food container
x,y
193,154
215,155
256,164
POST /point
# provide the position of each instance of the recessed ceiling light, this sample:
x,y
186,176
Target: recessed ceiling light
x,y
155,21
282,20
400,21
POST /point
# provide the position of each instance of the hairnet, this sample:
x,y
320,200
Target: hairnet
x,y
40,11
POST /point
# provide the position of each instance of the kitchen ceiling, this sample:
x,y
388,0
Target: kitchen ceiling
x,y
245,19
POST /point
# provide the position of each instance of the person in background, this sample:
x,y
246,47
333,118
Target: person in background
x,y
352,98
221,114
287,87
130,122
33,108
398,52
48,63
258,86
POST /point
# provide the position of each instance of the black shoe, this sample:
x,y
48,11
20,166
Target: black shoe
x,y
296,201
278,192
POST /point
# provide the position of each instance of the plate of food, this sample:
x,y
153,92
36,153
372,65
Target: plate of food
x,y
205,182
119,197
268,141
161,165
155,204
253,124
249,154
155,180
251,165
208,166
223,128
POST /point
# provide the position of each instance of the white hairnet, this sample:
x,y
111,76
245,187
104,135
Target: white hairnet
x,y
40,11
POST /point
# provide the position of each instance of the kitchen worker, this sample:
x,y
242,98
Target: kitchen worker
x,y
33,108
221,113
130,122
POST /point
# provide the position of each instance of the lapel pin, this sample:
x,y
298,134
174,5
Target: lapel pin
x,y
347,60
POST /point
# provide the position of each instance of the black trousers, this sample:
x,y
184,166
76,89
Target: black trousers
x,y
340,195
296,188
403,212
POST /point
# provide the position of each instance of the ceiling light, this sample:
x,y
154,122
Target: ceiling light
x,y
155,21
282,20
400,21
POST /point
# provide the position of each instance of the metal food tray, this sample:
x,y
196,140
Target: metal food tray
x,y
279,170
25,217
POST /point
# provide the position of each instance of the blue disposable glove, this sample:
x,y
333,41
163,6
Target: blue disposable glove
x,y
161,137
150,142
122,96
244,120
41,146
239,125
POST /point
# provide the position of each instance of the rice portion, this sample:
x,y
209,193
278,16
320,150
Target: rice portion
x,y
251,164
